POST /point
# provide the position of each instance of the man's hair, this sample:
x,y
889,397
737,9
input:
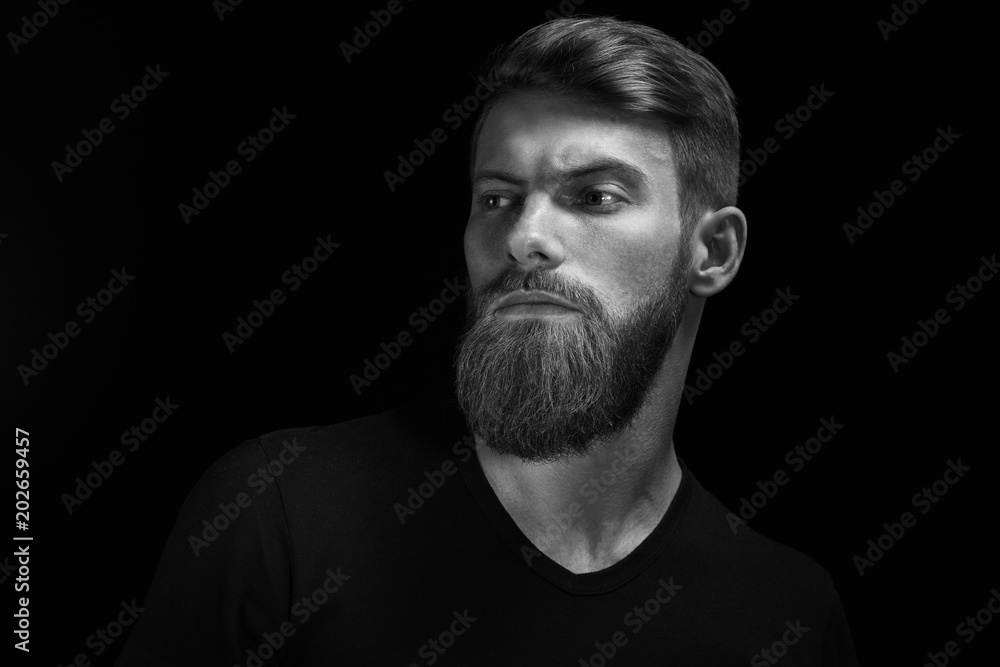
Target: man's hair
x,y
633,70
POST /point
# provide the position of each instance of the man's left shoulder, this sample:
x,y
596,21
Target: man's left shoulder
x,y
760,561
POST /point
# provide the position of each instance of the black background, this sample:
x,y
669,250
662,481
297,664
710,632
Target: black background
x,y
324,175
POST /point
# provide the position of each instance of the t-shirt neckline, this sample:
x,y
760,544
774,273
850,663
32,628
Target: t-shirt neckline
x,y
589,583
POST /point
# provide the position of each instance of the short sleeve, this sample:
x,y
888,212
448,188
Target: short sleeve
x,y
223,580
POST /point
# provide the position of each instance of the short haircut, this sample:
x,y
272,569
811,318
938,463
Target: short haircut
x,y
633,70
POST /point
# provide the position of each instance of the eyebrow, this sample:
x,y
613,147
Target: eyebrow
x,y
499,175
626,171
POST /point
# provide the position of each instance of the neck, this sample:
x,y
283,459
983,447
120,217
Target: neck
x,y
587,513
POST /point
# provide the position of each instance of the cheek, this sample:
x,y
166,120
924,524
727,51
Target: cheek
x,y
641,272
468,241
472,260
628,265
481,251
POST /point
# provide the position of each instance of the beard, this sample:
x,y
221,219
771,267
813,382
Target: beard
x,y
545,389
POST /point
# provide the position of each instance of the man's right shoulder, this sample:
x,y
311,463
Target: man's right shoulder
x,y
378,451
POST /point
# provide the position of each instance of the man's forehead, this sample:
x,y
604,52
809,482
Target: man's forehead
x,y
554,135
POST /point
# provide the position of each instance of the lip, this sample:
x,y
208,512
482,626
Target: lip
x,y
533,298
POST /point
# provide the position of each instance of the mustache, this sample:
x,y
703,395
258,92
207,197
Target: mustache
x,y
512,280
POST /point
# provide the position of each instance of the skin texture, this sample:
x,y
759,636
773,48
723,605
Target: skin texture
x,y
614,235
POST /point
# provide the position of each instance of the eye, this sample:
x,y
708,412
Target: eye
x,y
600,199
492,202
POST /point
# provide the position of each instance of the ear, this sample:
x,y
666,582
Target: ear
x,y
719,240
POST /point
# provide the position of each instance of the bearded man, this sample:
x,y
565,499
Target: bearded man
x,y
543,516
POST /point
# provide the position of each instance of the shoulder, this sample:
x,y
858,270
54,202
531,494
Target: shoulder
x,y
408,433
369,457
758,562
296,480
403,430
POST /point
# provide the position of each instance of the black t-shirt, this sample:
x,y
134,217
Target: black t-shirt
x,y
379,541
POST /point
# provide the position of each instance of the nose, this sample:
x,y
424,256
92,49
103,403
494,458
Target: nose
x,y
533,240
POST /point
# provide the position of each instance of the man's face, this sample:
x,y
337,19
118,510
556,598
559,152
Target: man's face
x,y
584,207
